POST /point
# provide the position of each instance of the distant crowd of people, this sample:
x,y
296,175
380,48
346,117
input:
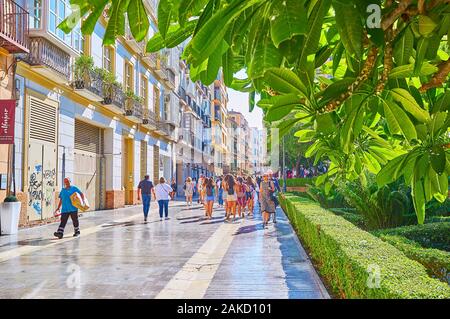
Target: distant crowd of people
x,y
307,172
237,194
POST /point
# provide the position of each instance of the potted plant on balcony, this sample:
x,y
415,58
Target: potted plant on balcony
x,y
110,85
130,100
9,215
82,70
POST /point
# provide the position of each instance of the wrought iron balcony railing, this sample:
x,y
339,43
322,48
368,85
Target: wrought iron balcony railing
x,y
92,83
45,53
13,27
149,118
133,108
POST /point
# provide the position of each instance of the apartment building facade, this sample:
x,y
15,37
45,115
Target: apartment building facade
x,y
240,131
105,142
256,151
194,150
219,129
13,42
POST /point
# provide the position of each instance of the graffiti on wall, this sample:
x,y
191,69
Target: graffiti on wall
x,y
35,194
49,177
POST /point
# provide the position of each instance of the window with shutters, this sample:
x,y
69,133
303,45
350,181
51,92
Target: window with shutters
x,y
156,101
43,119
144,90
108,55
128,77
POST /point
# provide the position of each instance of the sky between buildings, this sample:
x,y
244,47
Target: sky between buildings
x,y
238,101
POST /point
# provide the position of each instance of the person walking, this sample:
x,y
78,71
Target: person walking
x,y
210,191
163,191
265,199
203,192
67,209
231,190
277,190
250,195
241,200
219,184
146,188
200,184
188,191
174,186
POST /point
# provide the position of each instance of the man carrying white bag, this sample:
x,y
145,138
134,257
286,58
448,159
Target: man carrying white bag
x,y
71,199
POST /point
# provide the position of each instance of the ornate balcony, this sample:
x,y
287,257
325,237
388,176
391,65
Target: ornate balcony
x,y
13,27
149,119
151,59
91,87
48,59
170,79
162,128
115,101
161,68
133,110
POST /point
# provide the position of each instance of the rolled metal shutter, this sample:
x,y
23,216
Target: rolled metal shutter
x,y
88,137
156,164
43,119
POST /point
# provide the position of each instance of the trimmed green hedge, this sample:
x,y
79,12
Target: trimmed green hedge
x,y
297,182
433,235
345,254
438,219
350,216
436,261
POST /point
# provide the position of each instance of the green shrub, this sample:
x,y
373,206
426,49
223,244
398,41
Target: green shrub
x,y
345,254
383,207
11,199
436,261
433,235
297,182
332,199
435,208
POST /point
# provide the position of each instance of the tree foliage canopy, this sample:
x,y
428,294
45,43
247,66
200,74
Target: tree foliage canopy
x,y
366,79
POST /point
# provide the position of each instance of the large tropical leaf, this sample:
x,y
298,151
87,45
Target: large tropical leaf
x,y
410,104
166,13
398,121
404,47
288,18
189,8
310,42
138,18
265,56
116,23
208,38
282,106
284,81
348,23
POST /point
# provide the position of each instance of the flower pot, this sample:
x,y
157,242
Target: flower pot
x,y
9,217
79,84
107,100
128,112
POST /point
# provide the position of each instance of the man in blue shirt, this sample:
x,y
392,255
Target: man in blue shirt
x,y
146,188
68,209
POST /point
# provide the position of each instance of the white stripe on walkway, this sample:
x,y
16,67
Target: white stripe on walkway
x,y
193,280
25,250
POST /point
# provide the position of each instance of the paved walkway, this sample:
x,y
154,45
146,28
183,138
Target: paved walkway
x,y
118,256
